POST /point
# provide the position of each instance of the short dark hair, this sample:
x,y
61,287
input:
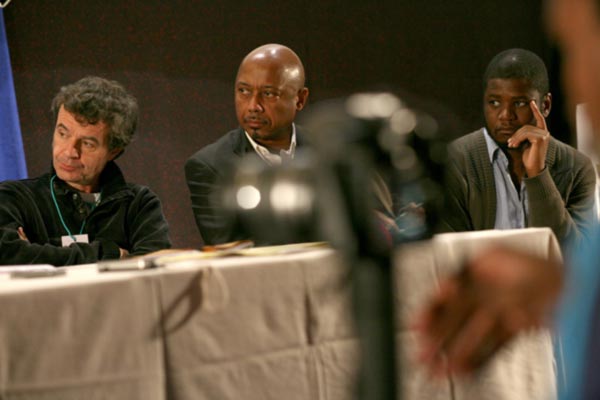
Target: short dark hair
x,y
96,99
518,64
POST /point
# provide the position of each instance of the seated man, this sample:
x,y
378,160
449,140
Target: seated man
x,y
269,91
500,292
512,173
83,210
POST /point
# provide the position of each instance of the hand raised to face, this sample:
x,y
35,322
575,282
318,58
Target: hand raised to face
x,y
535,140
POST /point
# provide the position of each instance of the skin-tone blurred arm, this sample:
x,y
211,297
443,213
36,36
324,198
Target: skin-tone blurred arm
x,y
498,294
538,137
576,27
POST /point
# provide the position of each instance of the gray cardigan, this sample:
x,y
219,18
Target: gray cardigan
x,y
561,197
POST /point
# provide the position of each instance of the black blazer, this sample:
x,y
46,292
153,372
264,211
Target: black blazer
x,y
205,172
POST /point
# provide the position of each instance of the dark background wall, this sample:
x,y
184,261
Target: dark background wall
x,y
180,59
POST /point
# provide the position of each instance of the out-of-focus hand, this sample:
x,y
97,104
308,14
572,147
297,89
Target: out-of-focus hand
x,y
22,234
498,294
535,139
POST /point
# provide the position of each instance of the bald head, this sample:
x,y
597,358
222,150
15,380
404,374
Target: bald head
x,y
276,57
269,91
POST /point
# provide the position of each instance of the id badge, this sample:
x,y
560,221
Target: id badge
x,y
67,240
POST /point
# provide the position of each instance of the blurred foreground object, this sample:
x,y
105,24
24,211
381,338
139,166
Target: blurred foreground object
x,y
370,152
499,293
367,141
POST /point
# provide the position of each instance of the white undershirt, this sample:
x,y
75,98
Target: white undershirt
x,y
274,158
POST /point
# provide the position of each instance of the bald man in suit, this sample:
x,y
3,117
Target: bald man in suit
x,y
269,91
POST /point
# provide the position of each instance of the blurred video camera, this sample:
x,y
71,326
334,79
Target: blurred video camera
x,y
370,179
373,171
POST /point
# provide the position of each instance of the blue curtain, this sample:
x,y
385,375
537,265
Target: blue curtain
x,y
12,157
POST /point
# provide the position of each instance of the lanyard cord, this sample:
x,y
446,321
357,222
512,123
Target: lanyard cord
x,y
60,214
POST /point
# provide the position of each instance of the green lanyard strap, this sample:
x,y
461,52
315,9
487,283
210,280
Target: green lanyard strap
x,y
60,214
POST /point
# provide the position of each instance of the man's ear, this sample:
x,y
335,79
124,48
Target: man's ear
x,y
546,104
302,98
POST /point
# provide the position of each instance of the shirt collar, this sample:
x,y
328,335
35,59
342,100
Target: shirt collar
x,y
273,158
492,146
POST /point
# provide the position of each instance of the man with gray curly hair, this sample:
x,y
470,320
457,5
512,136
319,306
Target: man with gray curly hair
x,y
83,211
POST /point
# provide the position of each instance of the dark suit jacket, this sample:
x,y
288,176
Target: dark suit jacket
x,y
205,173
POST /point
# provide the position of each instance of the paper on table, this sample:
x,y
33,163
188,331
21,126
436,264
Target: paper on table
x,y
28,267
30,271
282,249
245,252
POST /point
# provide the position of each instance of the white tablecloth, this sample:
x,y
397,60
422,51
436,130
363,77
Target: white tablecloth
x,y
262,327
